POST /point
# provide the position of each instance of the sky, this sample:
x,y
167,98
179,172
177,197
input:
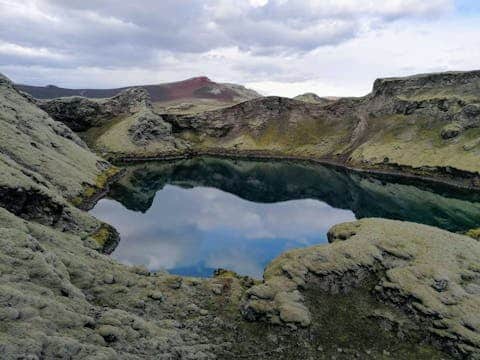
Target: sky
x,y
277,47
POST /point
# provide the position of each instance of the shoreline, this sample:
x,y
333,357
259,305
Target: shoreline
x,y
465,182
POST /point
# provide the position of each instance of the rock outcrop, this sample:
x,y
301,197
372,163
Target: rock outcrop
x,y
80,113
430,274
247,118
149,127
44,165
132,106
436,84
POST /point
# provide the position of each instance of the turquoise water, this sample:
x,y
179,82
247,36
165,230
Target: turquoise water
x,y
193,216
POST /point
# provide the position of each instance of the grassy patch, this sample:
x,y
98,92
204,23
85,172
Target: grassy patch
x,y
93,134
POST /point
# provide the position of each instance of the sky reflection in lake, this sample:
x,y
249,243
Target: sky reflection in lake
x,y
194,231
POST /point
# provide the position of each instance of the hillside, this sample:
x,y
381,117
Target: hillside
x,y
425,125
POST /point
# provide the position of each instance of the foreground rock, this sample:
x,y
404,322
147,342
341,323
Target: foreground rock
x,y
431,275
44,167
60,299
44,152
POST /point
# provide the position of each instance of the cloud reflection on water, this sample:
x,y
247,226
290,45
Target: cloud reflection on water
x,y
196,230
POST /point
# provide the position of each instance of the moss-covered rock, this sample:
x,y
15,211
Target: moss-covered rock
x,y
450,131
38,152
425,272
80,113
43,164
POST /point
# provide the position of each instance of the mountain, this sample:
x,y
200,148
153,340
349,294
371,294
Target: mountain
x,y
195,88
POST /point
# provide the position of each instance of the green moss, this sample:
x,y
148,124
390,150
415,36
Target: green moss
x,y
363,325
474,233
440,93
105,176
101,236
106,237
91,135
225,274
100,184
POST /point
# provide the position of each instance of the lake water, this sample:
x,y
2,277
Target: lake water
x,y
193,216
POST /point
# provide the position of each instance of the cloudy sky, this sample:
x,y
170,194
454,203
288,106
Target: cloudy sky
x,y
281,47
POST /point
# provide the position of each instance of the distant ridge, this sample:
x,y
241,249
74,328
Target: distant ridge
x,y
197,88
315,99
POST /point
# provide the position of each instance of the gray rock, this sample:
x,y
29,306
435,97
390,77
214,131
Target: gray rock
x,y
149,127
157,295
108,279
110,333
80,113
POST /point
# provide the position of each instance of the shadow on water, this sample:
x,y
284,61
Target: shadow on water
x,y
258,209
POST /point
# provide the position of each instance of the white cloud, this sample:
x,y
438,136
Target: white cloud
x,y
258,3
29,52
390,8
291,89
29,10
278,47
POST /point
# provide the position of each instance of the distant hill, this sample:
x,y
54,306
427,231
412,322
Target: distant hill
x,y
315,99
195,88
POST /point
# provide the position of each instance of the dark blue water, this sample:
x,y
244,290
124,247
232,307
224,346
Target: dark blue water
x,y
193,216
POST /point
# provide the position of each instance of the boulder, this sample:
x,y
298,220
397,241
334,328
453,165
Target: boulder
x,y
451,130
430,274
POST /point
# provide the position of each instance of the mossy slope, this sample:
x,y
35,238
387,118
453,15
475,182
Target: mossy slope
x,y
44,165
